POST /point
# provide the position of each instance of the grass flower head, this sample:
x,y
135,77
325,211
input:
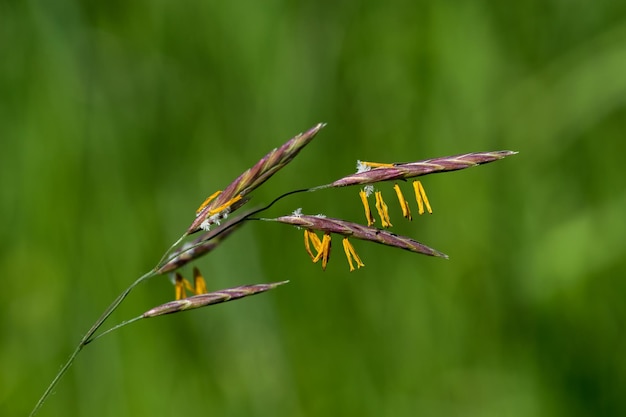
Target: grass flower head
x,y
213,217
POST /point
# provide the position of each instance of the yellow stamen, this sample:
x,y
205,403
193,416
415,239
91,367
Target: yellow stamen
x,y
225,205
351,254
180,287
366,205
383,210
317,243
324,252
377,164
199,283
307,247
207,201
403,203
420,196
309,235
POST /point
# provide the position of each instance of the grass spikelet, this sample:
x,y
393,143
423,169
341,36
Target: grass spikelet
x,y
402,171
215,297
226,201
200,246
348,229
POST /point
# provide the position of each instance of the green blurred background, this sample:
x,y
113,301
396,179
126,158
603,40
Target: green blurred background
x,y
118,118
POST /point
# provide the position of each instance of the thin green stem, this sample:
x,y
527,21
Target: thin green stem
x,y
164,260
171,248
88,338
122,324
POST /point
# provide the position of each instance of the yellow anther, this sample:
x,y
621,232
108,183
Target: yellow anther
x,y
324,253
307,246
377,164
310,236
207,201
317,243
181,284
420,196
224,206
199,283
366,205
406,212
351,254
383,210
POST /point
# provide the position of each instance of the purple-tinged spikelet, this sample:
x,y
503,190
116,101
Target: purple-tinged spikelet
x,y
200,246
216,297
401,171
233,195
328,225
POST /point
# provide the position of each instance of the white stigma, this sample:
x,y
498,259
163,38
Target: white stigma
x,y
362,167
205,225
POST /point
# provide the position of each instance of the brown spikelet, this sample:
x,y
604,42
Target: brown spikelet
x,y
252,178
200,246
328,225
216,297
388,172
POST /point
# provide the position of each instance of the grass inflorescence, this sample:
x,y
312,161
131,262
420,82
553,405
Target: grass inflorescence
x,y
214,222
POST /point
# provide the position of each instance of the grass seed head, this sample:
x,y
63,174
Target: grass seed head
x,y
218,205
401,171
328,226
216,297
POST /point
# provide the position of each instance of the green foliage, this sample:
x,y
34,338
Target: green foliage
x,y
117,119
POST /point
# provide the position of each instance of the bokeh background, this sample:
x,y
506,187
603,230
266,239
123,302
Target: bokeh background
x,y
118,118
